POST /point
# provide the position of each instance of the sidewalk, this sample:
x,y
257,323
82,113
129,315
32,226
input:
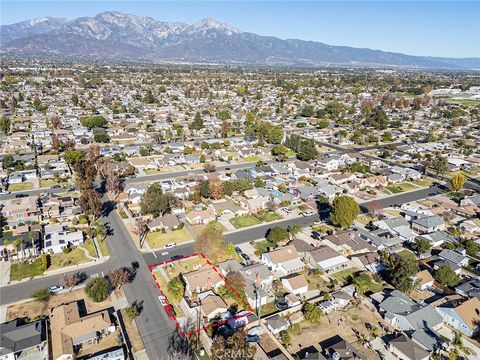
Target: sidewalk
x,y
4,273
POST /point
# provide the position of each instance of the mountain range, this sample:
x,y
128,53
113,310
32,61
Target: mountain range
x,y
118,35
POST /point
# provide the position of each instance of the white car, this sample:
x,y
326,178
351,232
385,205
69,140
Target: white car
x,y
4,192
307,213
316,223
169,246
164,253
163,300
55,289
287,210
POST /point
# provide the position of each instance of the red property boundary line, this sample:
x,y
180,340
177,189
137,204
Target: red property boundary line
x,y
232,288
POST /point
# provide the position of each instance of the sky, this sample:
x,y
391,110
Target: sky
x,y
429,28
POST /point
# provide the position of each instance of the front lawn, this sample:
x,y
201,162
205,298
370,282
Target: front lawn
x,y
158,239
267,216
20,187
151,172
250,159
19,271
103,248
74,257
47,183
122,214
244,221
90,247
199,228
262,246
344,276
407,255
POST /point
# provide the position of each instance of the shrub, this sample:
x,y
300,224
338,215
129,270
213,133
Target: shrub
x,y
98,289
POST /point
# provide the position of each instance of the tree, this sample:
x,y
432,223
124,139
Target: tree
x,y
113,183
216,188
176,288
98,289
45,261
209,167
236,280
458,345
401,271
70,280
344,211
94,121
421,245
232,348
294,230
312,313
55,122
5,124
224,129
362,282
197,122
90,203
307,111
42,295
72,156
8,161
119,277
132,311
210,242
277,234
457,182
446,276
307,150
156,202
440,165
285,338
323,124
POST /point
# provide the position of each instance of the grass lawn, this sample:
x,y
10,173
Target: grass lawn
x,y
268,309
268,216
159,239
199,228
151,172
244,221
74,257
262,246
47,183
20,187
90,247
315,282
401,187
426,182
123,214
103,248
344,276
365,219
464,102
290,153
250,159
25,270
407,255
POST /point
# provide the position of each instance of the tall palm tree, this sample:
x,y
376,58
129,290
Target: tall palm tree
x,y
458,345
294,230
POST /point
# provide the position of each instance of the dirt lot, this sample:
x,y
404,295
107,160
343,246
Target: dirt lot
x,y
354,318
34,309
133,334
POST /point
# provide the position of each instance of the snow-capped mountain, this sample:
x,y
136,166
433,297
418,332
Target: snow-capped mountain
x,y
115,34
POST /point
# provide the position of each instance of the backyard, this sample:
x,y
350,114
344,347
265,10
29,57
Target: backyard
x,y
407,255
344,276
158,239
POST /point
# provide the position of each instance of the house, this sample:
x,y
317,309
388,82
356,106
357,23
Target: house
x,y
71,331
471,226
212,305
343,350
296,284
277,324
397,226
203,279
21,210
425,280
428,224
166,222
284,261
328,260
56,239
453,257
255,204
465,317
20,340
342,297
404,348
228,207
347,243
200,216
469,289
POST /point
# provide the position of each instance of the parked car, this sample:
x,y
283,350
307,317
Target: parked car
x,y
163,300
238,250
4,192
169,310
169,246
253,338
245,256
307,213
315,235
177,257
281,304
55,289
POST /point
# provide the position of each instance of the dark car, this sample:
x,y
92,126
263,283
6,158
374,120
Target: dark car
x,y
177,257
253,338
281,304
315,235
226,330
245,256
170,312
238,250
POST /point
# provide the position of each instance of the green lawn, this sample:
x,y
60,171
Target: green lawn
x,y
407,255
401,187
103,248
244,221
268,309
426,182
47,183
344,276
250,159
123,214
199,228
262,246
464,102
159,239
268,216
20,187
74,257
151,172
365,219
90,247
25,270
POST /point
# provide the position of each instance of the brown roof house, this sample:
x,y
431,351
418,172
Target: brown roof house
x,y
465,317
70,331
296,284
203,279
200,216
212,305
283,261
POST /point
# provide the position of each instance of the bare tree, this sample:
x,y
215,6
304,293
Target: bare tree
x,y
119,277
113,184
209,167
70,280
141,229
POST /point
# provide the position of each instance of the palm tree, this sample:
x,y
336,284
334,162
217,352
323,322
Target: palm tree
x,y
458,345
294,229
101,230
32,235
18,243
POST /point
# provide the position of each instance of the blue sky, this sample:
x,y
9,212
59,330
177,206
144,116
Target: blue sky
x,y
435,28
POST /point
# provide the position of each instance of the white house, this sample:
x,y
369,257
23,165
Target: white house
x,y
296,284
57,241
283,261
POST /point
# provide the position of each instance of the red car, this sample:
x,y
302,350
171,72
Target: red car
x,y
170,312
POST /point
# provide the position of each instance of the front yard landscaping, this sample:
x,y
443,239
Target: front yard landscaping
x,y
20,187
407,255
158,239
262,246
19,271
244,221
74,257
90,247
344,276
267,216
